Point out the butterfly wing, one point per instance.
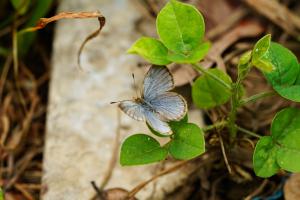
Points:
(157, 81)
(170, 106)
(156, 123)
(134, 109)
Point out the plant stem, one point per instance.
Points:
(214, 126)
(248, 132)
(204, 71)
(256, 97)
(232, 115)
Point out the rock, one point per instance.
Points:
(81, 122)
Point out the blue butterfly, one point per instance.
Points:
(156, 105)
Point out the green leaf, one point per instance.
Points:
(188, 142)
(180, 27)
(282, 148)
(151, 50)
(285, 77)
(39, 10)
(172, 124)
(258, 54)
(261, 47)
(141, 149)
(21, 6)
(195, 56)
(208, 93)
(290, 152)
(1, 194)
(264, 157)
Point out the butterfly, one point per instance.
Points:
(156, 105)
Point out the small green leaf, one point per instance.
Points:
(151, 50)
(208, 93)
(284, 78)
(1, 194)
(188, 142)
(21, 6)
(180, 27)
(244, 64)
(264, 65)
(264, 158)
(141, 149)
(282, 148)
(193, 57)
(261, 47)
(258, 54)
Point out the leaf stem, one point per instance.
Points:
(214, 126)
(256, 97)
(204, 71)
(247, 131)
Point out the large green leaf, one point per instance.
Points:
(208, 93)
(188, 141)
(141, 149)
(285, 77)
(195, 56)
(282, 148)
(180, 27)
(151, 50)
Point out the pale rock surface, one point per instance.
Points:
(81, 123)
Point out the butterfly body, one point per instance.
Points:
(156, 105)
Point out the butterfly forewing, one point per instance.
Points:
(134, 109)
(170, 106)
(157, 81)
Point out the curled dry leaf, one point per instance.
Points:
(71, 15)
(291, 188)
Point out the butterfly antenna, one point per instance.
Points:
(135, 85)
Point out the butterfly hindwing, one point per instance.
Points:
(158, 80)
(156, 123)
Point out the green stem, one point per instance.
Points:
(232, 115)
(204, 71)
(248, 132)
(256, 97)
(214, 126)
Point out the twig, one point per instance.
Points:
(224, 154)
(135, 190)
(228, 23)
(278, 14)
(258, 190)
(4, 73)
